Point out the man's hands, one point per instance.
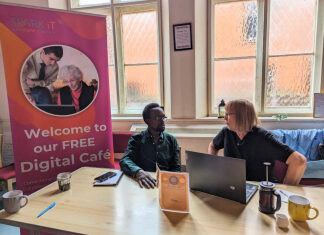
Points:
(31, 99)
(145, 179)
(30, 82)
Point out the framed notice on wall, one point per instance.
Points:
(182, 37)
(318, 105)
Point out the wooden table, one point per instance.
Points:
(128, 209)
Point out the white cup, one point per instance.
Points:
(12, 201)
(282, 220)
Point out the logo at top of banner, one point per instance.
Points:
(59, 80)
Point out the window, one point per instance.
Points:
(140, 53)
(268, 52)
(85, 3)
(133, 52)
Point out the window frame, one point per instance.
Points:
(115, 10)
(262, 57)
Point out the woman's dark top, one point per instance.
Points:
(86, 97)
(257, 146)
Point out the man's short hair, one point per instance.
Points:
(56, 50)
(147, 110)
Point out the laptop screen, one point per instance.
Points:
(220, 176)
(57, 109)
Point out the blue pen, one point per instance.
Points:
(50, 207)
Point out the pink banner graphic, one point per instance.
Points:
(56, 73)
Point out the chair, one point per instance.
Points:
(120, 142)
(8, 176)
(279, 171)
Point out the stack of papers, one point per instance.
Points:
(284, 194)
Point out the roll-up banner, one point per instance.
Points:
(56, 71)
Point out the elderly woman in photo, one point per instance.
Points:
(243, 138)
(76, 92)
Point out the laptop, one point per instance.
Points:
(64, 109)
(220, 176)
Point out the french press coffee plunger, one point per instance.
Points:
(266, 195)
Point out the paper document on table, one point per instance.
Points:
(173, 191)
(284, 194)
(110, 181)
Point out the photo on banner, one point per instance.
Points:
(56, 71)
(72, 67)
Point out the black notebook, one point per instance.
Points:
(110, 181)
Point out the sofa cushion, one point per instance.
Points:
(314, 170)
(7, 172)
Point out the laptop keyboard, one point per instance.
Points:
(250, 190)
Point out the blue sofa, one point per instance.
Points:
(304, 141)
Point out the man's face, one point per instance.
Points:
(156, 121)
(49, 59)
(72, 82)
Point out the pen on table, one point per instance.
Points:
(50, 207)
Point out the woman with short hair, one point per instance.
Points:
(76, 91)
(243, 138)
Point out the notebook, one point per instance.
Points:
(220, 176)
(57, 109)
(110, 181)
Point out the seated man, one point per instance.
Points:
(151, 147)
(76, 92)
(243, 138)
(39, 72)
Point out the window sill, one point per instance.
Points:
(186, 131)
(208, 127)
(215, 120)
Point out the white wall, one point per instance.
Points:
(182, 63)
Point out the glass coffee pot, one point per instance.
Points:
(267, 193)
